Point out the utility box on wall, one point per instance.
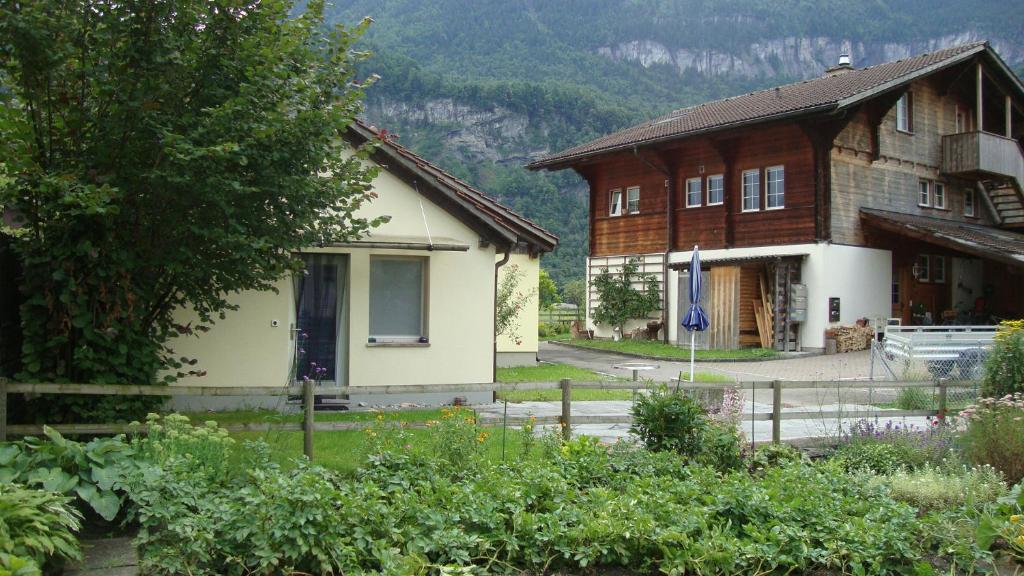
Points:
(798, 303)
(833, 309)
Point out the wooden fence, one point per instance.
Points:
(566, 420)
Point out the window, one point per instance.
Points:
(921, 268)
(615, 203)
(924, 193)
(693, 192)
(895, 289)
(775, 187)
(938, 270)
(751, 190)
(397, 303)
(633, 200)
(716, 189)
(939, 195)
(905, 113)
(968, 202)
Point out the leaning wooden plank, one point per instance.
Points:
(759, 319)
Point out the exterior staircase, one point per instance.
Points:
(997, 163)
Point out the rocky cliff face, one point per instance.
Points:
(791, 57)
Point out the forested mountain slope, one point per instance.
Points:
(482, 86)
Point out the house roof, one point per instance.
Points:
(493, 220)
(830, 93)
(979, 240)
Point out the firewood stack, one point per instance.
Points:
(853, 338)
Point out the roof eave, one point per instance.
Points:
(568, 162)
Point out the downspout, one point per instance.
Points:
(669, 240)
(494, 356)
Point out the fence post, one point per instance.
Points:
(942, 400)
(3, 409)
(566, 419)
(307, 417)
(776, 411)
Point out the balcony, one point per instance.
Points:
(982, 154)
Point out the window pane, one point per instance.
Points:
(940, 195)
(902, 116)
(693, 192)
(633, 200)
(615, 205)
(751, 190)
(968, 202)
(715, 189)
(924, 194)
(776, 193)
(938, 268)
(396, 297)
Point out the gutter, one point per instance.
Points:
(494, 318)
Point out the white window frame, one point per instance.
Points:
(767, 188)
(756, 173)
(721, 189)
(939, 195)
(633, 202)
(699, 191)
(934, 270)
(905, 113)
(424, 302)
(926, 267)
(969, 206)
(924, 194)
(615, 202)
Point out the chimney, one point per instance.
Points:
(843, 66)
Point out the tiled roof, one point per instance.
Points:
(491, 211)
(829, 92)
(984, 241)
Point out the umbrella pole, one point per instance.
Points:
(691, 355)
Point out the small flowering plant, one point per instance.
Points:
(993, 434)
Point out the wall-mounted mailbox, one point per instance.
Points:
(833, 309)
(798, 303)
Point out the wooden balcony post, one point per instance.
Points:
(980, 108)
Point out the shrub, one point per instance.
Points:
(875, 457)
(932, 488)
(668, 420)
(551, 329)
(36, 527)
(1004, 369)
(772, 456)
(908, 446)
(915, 399)
(994, 434)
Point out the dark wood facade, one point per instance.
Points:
(716, 226)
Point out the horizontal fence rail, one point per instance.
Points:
(309, 390)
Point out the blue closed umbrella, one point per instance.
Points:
(695, 320)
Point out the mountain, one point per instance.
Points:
(483, 86)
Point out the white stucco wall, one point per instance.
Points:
(245, 350)
(860, 277)
(529, 314)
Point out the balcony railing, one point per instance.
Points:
(982, 153)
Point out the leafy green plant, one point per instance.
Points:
(771, 456)
(915, 399)
(993, 434)
(665, 419)
(876, 457)
(1004, 367)
(620, 301)
(36, 527)
(94, 471)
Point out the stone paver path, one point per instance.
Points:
(107, 557)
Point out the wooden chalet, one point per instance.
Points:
(892, 191)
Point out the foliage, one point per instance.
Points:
(36, 526)
(509, 301)
(1004, 367)
(165, 155)
(993, 434)
(1006, 522)
(668, 420)
(547, 290)
(620, 300)
(772, 456)
(915, 399)
(551, 329)
(575, 292)
(945, 487)
(894, 446)
(584, 508)
(875, 457)
(93, 471)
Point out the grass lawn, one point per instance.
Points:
(662, 350)
(555, 372)
(343, 450)
(250, 416)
